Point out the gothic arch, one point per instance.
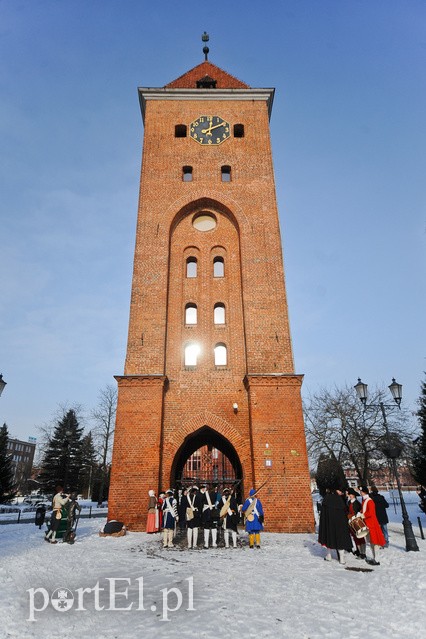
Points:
(208, 426)
(202, 437)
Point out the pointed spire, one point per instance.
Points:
(205, 38)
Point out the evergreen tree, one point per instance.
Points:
(419, 457)
(330, 474)
(63, 457)
(6, 469)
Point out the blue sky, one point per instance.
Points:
(349, 142)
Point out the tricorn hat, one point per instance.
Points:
(352, 491)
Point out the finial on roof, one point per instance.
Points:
(205, 38)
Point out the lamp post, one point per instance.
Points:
(90, 467)
(67, 444)
(2, 384)
(392, 449)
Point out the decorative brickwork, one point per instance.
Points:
(249, 406)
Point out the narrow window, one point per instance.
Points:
(191, 354)
(190, 314)
(180, 131)
(238, 130)
(191, 267)
(187, 173)
(218, 267)
(219, 314)
(226, 173)
(220, 358)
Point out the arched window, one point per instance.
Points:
(238, 130)
(180, 131)
(191, 267)
(187, 173)
(218, 267)
(191, 354)
(226, 173)
(219, 314)
(220, 355)
(191, 314)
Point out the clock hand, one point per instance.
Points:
(208, 131)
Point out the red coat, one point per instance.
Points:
(369, 512)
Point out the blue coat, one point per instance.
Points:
(255, 525)
(169, 518)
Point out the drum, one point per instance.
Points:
(358, 527)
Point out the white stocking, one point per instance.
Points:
(206, 537)
(214, 537)
(189, 534)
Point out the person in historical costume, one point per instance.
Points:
(161, 498)
(210, 515)
(183, 505)
(354, 508)
(374, 530)
(382, 517)
(229, 516)
(152, 522)
(333, 530)
(254, 516)
(193, 516)
(170, 518)
(58, 503)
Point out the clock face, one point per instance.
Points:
(209, 130)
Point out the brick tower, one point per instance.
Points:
(209, 356)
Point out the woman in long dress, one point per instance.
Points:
(152, 520)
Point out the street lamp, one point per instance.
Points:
(90, 467)
(2, 384)
(67, 444)
(392, 449)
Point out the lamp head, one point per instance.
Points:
(361, 391)
(396, 390)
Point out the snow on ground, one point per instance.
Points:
(285, 589)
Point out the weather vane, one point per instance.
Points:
(205, 38)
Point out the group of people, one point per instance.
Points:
(64, 506)
(206, 508)
(346, 523)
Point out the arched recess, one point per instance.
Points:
(204, 204)
(204, 436)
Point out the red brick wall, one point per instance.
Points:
(155, 416)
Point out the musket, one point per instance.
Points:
(250, 508)
(260, 487)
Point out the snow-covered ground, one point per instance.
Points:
(285, 589)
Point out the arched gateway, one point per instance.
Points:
(209, 389)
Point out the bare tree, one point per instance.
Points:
(104, 418)
(336, 424)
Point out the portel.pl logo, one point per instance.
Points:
(118, 594)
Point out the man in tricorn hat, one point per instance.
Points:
(170, 517)
(229, 515)
(193, 516)
(253, 511)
